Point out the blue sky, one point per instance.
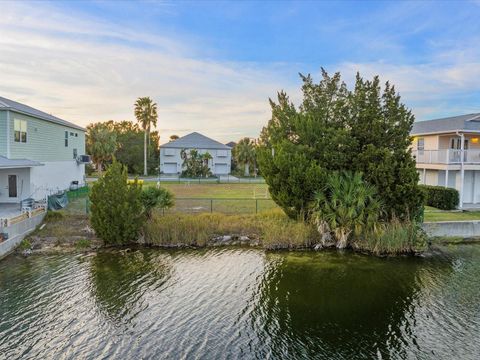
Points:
(211, 66)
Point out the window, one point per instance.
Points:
(75, 153)
(20, 130)
(66, 138)
(420, 144)
(76, 134)
(71, 134)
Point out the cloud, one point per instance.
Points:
(66, 67)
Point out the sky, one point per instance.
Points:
(212, 66)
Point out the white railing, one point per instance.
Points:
(446, 156)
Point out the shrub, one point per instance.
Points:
(116, 209)
(347, 206)
(156, 197)
(440, 197)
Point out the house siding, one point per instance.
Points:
(3, 133)
(176, 158)
(45, 140)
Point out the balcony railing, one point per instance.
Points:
(446, 156)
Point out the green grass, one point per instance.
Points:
(433, 214)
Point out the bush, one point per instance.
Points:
(440, 197)
(154, 197)
(116, 208)
(347, 206)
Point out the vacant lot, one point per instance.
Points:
(192, 190)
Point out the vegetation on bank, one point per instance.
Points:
(440, 197)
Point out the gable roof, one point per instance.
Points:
(195, 141)
(7, 104)
(469, 122)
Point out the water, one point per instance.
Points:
(240, 303)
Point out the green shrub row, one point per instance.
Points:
(440, 197)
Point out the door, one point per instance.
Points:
(12, 186)
(456, 146)
(170, 168)
(221, 169)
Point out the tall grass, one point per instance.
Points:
(273, 229)
(394, 238)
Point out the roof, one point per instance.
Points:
(7, 104)
(6, 163)
(195, 141)
(469, 122)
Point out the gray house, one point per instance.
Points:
(447, 152)
(40, 154)
(171, 160)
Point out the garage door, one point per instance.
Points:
(170, 168)
(221, 169)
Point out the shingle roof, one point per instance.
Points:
(7, 104)
(462, 123)
(6, 163)
(195, 141)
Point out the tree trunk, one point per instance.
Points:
(145, 154)
(99, 168)
(247, 169)
(342, 237)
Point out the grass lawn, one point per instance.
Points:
(222, 198)
(433, 214)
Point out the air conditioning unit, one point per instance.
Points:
(84, 159)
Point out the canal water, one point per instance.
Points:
(240, 304)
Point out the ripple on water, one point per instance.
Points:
(240, 303)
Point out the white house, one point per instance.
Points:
(171, 160)
(40, 154)
(447, 153)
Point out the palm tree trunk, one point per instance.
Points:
(247, 169)
(145, 154)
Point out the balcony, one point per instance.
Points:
(447, 156)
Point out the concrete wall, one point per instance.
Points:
(17, 232)
(176, 158)
(54, 176)
(463, 229)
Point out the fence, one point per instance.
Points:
(79, 204)
(221, 205)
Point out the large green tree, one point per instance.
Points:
(101, 143)
(334, 129)
(146, 114)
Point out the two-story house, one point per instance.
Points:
(170, 154)
(447, 153)
(40, 154)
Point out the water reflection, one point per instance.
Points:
(120, 280)
(337, 305)
(240, 304)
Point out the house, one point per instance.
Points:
(171, 160)
(40, 154)
(447, 153)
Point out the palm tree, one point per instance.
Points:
(245, 153)
(101, 143)
(347, 205)
(146, 114)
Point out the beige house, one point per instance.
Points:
(447, 152)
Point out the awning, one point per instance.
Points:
(6, 163)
